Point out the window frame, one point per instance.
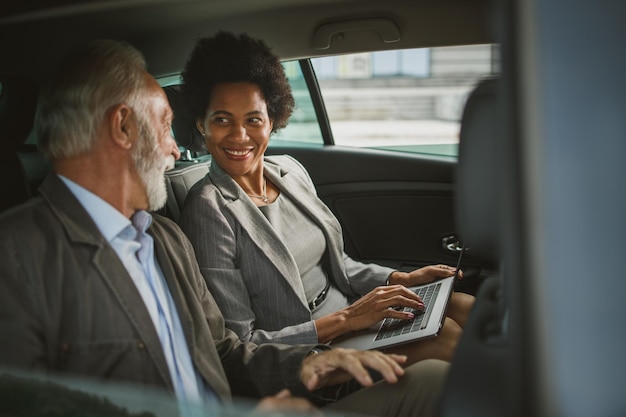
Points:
(317, 99)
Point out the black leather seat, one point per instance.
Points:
(477, 383)
(477, 180)
(22, 166)
(195, 161)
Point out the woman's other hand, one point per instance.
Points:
(422, 275)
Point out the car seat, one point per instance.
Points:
(22, 166)
(195, 161)
(478, 381)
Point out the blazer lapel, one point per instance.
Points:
(292, 186)
(114, 273)
(259, 229)
(301, 194)
(204, 355)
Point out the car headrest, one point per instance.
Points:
(18, 101)
(184, 126)
(478, 207)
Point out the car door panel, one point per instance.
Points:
(394, 208)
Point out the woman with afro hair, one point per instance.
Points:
(269, 249)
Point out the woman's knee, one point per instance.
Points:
(460, 306)
(449, 337)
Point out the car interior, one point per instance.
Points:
(531, 187)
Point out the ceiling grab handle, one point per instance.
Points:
(324, 34)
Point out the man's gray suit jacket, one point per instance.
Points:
(67, 305)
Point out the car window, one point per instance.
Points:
(169, 80)
(404, 100)
(303, 126)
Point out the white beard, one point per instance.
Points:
(151, 165)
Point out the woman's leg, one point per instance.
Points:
(444, 345)
(459, 307)
(439, 347)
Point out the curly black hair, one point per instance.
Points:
(225, 58)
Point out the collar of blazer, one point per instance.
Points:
(294, 182)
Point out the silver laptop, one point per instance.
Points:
(427, 323)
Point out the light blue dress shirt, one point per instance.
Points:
(123, 238)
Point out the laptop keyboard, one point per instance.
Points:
(394, 327)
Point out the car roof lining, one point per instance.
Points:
(166, 30)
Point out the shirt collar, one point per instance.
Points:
(107, 218)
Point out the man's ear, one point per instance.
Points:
(122, 125)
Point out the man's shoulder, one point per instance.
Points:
(166, 228)
(24, 215)
(174, 241)
(164, 223)
(27, 227)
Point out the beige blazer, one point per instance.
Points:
(249, 270)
